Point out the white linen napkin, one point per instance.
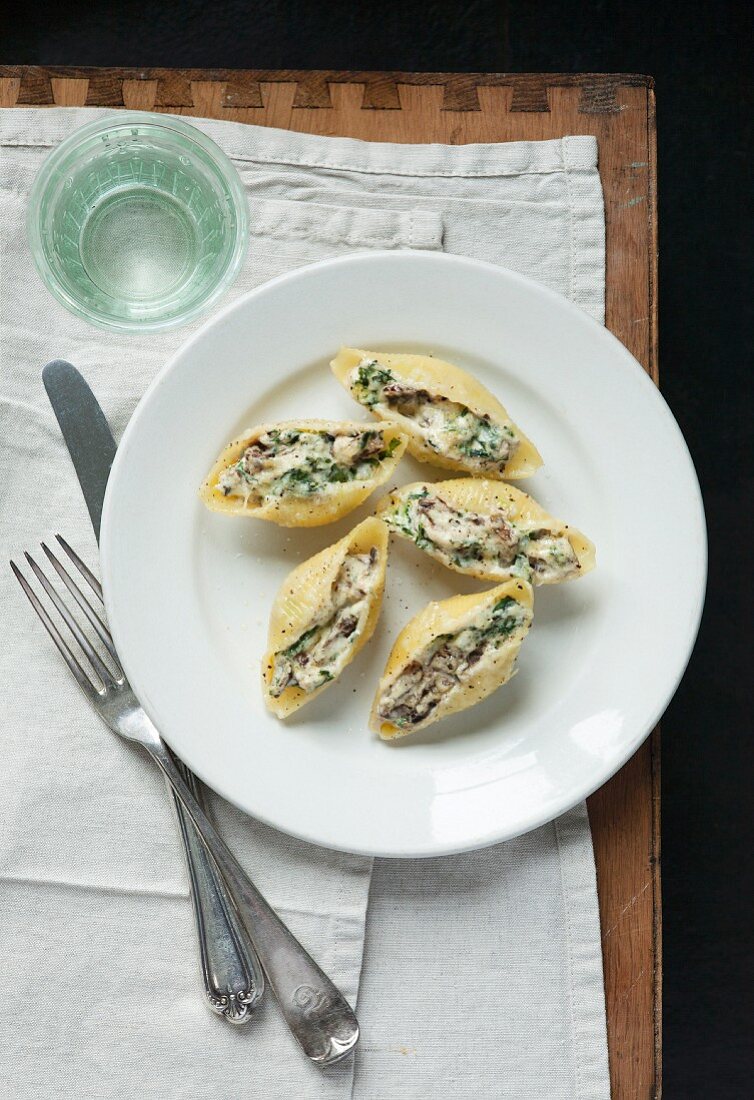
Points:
(483, 972)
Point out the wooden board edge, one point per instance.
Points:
(529, 100)
(656, 738)
(598, 91)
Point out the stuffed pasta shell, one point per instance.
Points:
(303, 473)
(450, 656)
(487, 530)
(324, 613)
(451, 419)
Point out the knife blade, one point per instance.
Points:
(232, 974)
(85, 430)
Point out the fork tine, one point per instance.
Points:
(91, 654)
(82, 567)
(96, 622)
(81, 677)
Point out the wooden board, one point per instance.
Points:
(457, 108)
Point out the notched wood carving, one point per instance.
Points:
(36, 89)
(598, 92)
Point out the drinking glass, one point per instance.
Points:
(137, 222)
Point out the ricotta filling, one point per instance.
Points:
(449, 662)
(321, 652)
(485, 542)
(303, 463)
(451, 429)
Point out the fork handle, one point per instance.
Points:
(316, 1012)
(232, 977)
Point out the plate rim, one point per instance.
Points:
(534, 819)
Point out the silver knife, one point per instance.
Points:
(233, 979)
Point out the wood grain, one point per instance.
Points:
(458, 108)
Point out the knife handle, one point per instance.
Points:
(231, 972)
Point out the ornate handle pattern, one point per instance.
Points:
(317, 1013)
(231, 972)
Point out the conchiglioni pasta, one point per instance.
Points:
(324, 613)
(303, 473)
(450, 656)
(451, 419)
(488, 530)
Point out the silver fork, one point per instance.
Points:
(314, 1009)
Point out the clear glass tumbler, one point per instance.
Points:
(137, 222)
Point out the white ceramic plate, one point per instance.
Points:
(189, 591)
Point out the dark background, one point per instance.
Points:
(700, 56)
